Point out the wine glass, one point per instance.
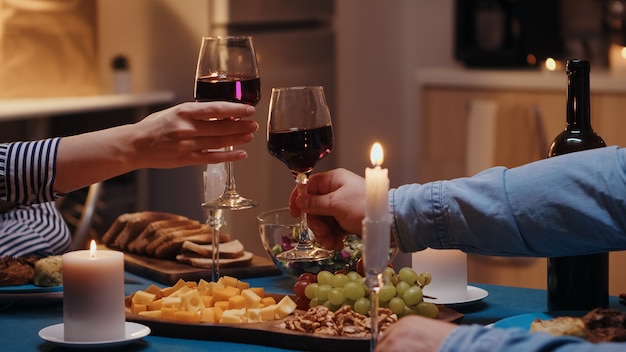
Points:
(227, 70)
(299, 133)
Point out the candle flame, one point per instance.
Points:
(92, 249)
(376, 155)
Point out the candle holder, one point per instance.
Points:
(375, 260)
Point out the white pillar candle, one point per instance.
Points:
(93, 295)
(376, 225)
(448, 268)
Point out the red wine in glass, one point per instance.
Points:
(231, 88)
(300, 150)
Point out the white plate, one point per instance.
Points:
(474, 294)
(30, 293)
(54, 334)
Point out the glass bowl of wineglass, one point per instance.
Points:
(227, 70)
(299, 134)
(279, 232)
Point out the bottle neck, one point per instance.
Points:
(578, 104)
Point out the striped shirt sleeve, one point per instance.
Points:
(27, 173)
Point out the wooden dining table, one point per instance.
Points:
(21, 318)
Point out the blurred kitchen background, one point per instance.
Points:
(424, 78)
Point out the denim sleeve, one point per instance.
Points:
(474, 338)
(567, 205)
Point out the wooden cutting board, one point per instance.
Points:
(266, 333)
(169, 271)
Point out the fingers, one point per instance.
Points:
(205, 111)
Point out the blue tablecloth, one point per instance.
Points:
(21, 322)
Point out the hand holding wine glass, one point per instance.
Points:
(299, 133)
(227, 70)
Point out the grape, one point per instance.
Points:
(408, 275)
(307, 277)
(330, 306)
(353, 290)
(299, 287)
(354, 276)
(315, 302)
(325, 277)
(336, 296)
(311, 290)
(427, 309)
(390, 274)
(413, 295)
(387, 292)
(397, 305)
(322, 292)
(425, 278)
(362, 306)
(401, 287)
(340, 280)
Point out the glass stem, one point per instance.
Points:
(374, 304)
(230, 189)
(304, 241)
(216, 221)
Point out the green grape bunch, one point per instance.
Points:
(401, 292)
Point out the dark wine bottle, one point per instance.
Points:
(577, 282)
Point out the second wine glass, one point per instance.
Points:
(227, 70)
(299, 133)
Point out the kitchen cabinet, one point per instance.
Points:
(529, 113)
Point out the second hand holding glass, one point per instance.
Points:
(227, 70)
(299, 133)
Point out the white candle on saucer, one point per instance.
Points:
(448, 268)
(93, 295)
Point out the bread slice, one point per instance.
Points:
(169, 249)
(560, 326)
(244, 260)
(151, 232)
(227, 250)
(128, 226)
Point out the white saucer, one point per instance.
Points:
(474, 294)
(54, 334)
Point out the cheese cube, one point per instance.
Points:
(154, 289)
(167, 313)
(252, 299)
(260, 291)
(236, 302)
(285, 307)
(157, 304)
(268, 313)
(151, 313)
(207, 315)
(208, 301)
(242, 285)
(168, 290)
(136, 308)
(233, 316)
(143, 297)
(181, 291)
(222, 304)
(218, 311)
(253, 315)
(191, 301)
(188, 317)
(267, 301)
(225, 293)
(228, 281)
(172, 302)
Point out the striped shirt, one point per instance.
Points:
(33, 225)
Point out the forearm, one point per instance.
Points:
(478, 339)
(93, 157)
(560, 206)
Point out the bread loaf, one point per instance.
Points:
(128, 226)
(49, 271)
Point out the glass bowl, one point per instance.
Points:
(279, 232)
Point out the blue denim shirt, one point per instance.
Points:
(567, 205)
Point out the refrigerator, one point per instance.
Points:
(295, 45)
